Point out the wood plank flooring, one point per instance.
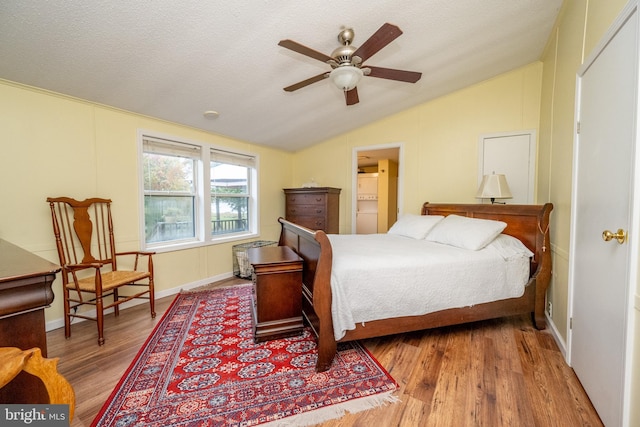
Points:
(493, 373)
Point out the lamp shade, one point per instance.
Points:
(346, 77)
(493, 187)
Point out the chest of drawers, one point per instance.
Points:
(317, 208)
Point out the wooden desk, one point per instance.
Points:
(277, 292)
(25, 290)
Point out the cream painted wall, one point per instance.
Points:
(439, 140)
(55, 145)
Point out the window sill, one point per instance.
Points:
(160, 248)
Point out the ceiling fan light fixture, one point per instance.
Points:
(346, 77)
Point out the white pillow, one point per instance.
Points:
(509, 247)
(414, 226)
(464, 232)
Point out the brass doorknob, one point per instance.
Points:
(620, 235)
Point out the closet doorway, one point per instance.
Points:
(376, 180)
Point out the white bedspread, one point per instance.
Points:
(380, 276)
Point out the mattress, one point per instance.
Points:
(380, 276)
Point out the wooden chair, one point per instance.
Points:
(13, 361)
(86, 247)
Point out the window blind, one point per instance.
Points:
(228, 157)
(159, 146)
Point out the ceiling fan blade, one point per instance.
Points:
(385, 35)
(297, 47)
(391, 74)
(306, 82)
(351, 96)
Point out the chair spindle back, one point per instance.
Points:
(83, 230)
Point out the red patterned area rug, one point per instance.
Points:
(201, 367)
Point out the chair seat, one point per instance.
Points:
(110, 280)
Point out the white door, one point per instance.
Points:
(514, 155)
(603, 172)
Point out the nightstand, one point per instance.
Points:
(277, 292)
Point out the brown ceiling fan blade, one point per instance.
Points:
(306, 82)
(385, 35)
(391, 74)
(351, 96)
(297, 47)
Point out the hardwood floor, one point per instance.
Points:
(494, 373)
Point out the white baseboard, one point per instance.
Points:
(59, 322)
(553, 329)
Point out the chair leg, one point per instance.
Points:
(67, 312)
(100, 318)
(152, 299)
(116, 308)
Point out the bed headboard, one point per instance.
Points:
(528, 223)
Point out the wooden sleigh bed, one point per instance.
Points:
(528, 223)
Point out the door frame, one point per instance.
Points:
(634, 221)
(354, 175)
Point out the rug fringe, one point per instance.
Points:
(204, 288)
(332, 412)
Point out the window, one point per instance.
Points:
(230, 196)
(194, 193)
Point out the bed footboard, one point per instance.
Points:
(315, 250)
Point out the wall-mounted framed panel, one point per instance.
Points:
(514, 155)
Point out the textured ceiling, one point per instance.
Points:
(176, 59)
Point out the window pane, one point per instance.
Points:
(229, 198)
(168, 173)
(227, 178)
(229, 215)
(168, 218)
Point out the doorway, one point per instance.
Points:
(385, 161)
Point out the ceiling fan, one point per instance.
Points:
(347, 62)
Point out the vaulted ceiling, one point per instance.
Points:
(174, 60)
